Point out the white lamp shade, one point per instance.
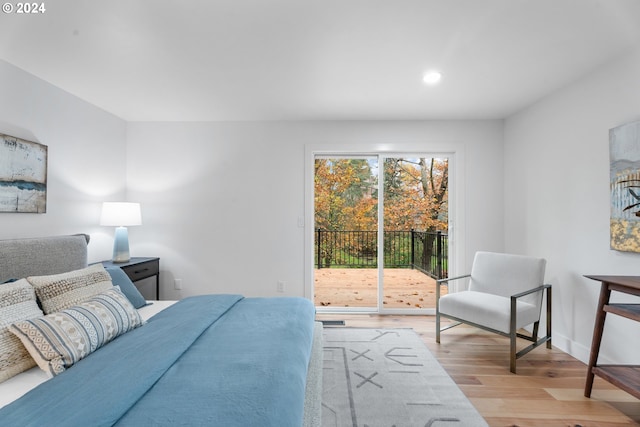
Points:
(119, 214)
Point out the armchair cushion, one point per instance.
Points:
(507, 274)
(488, 310)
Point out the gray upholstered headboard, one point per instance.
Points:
(40, 256)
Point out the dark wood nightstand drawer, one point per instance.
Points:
(142, 270)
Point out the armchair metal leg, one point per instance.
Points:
(512, 337)
(438, 327)
(549, 317)
(512, 353)
(534, 333)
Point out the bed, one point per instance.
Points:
(222, 360)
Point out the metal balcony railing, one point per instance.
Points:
(422, 250)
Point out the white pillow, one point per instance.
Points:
(58, 340)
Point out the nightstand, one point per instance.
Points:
(138, 268)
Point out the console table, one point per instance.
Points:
(626, 377)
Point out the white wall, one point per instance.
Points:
(86, 158)
(221, 201)
(557, 200)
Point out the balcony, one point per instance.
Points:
(346, 273)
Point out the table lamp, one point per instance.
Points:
(121, 215)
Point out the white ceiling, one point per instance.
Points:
(208, 60)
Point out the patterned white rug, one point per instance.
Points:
(385, 378)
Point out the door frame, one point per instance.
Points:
(453, 151)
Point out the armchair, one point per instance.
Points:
(505, 294)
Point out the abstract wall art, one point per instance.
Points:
(23, 175)
(624, 160)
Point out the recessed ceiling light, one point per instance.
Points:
(432, 77)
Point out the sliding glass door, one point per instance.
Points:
(380, 231)
(415, 211)
(346, 224)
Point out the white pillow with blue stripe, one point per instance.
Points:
(58, 340)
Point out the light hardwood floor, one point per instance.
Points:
(547, 390)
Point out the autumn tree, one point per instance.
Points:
(415, 192)
(416, 198)
(343, 195)
(344, 199)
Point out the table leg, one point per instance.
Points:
(605, 293)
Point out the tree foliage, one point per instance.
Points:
(415, 191)
(344, 195)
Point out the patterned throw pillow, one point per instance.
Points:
(17, 302)
(58, 340)
(59, 291)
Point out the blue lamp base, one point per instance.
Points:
(121, 245)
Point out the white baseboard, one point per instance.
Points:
(576, 350)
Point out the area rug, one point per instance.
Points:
(385, 378)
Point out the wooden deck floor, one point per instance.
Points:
(546, 392)
(358, 287)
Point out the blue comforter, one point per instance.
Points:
(215, 360)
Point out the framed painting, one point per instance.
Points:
(23, 175)
(624, 160)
